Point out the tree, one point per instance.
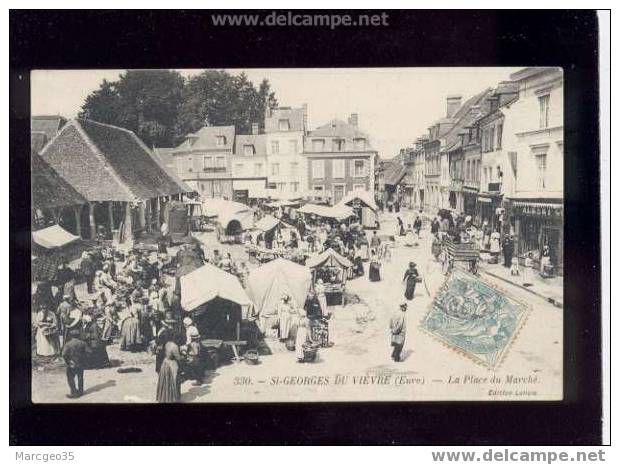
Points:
(102, 105)
(144, 101)
(218, 98)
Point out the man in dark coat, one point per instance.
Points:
(508, 248)
(74, 355)
(87, 267)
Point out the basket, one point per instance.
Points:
(251, 357)
(310, 351)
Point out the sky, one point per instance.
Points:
(395, 105)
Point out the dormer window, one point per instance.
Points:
(220, 141)
(338, 145)
(318, 145)
(360, 143)
(283, 125)
(248, 150)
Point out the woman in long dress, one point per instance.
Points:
(374, 273)
(97, 355)
(319, 288)
(285, 316)
(411, 276)
(131, 334)
(409, 238)
(301, 338)
(110, 316)
(169, 383)
(47, 337)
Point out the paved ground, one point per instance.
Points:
(358, 366)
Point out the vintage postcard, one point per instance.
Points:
(297, 235)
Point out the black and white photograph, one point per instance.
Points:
(256, 224)
(278, 235)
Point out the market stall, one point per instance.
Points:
(268, 283)
(332, 269)
(50, 247)
(217, 303)
(363, 206)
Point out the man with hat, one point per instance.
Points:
(194, 366)
(74, 355)
(398, 331)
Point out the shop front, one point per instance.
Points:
(470, 202)
(540, 230)
(489, 210)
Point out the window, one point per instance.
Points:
(543, 103)
(492, 139)
(292, 146)
(179, 164)
(207, 162)
(338, 192)
(283, 125)
(217, 189)
(220, 163)
(338, 166)
(358, 168)
(359, 187)
(295, 186)
(281, 186)
(239, 168)
(468, 172)
(318, 145)
(189, 164)
(248, 150)
(275, 147)
(500, 129)
(220, 141)
(359, 143)
(275, 169)
(541, 169)
(258, 169)
(337, 145)
(293, 167)
(318, 169)
(318, 192)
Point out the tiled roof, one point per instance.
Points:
(295, 117)
(394, 173)
(49, 189)
(104, 162)
(37, 141)
(47, 124)
(257, 140)
(464, 116)
(338, 128)
(206, 139)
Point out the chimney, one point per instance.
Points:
(453, 103)
(254, 128)
(475, 110)
(304, 108)
(354, 119)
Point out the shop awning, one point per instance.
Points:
(267, 223)
(208, 282)
(53, 237)
(329, 257)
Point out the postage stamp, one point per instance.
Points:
(475, 318)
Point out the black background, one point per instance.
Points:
(186, 39)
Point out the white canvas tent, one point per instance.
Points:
(267, 284)
(267, 223)
(362, 200)
(53, 237)
(208, 282)
(339, 212)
